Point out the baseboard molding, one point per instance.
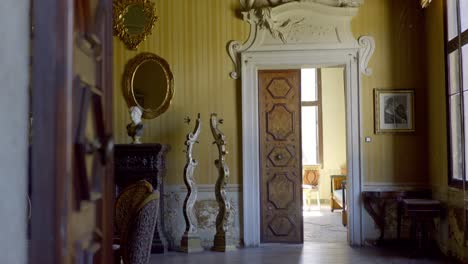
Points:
(395, 186)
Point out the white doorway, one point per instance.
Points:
(320, 36)
(324, 163)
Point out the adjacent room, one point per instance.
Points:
(324, 164)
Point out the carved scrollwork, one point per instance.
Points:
(190, 240)
(246, 4)
(366, 50)
(235, 48)
(294, 25)
(220, 240)
(335, 3)
(189, 180)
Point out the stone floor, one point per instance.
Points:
(310, 253)
(324, 242)
(321, 225)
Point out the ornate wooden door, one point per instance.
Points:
(280, 156)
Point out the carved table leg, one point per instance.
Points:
(377, 215)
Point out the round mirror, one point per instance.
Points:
(148, 83)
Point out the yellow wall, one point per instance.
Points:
(438, 163)
(334, 126)
(398, 62)
(192, 37)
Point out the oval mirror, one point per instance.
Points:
(148, 83)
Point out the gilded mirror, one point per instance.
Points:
(133, 20)
(148, 83)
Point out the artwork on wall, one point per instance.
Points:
(394, 111)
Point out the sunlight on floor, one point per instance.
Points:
(322, 225)
(312, 213)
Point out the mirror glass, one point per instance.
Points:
(135, 19)
(150, 85)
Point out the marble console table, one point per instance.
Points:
(375, 203)
(134, 162)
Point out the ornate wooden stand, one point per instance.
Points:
(190, 241)
(221, 242)
(134, 162)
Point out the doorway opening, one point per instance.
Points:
(303, 147)
(324, 161)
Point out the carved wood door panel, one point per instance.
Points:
(280, 156)
(90, 225)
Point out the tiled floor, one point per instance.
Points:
(309, 253)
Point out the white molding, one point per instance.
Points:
(395, 186)
(366, 50)
(302, 25)
(254, 61)
(300, 34)
(248, 4)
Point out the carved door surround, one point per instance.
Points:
(280, 156)
(294, 35)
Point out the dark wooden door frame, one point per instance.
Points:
(50, 156)
(51, 162)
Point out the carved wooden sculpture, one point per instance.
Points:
(190, 240)
(221, 242)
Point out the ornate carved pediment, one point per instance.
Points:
(279, 25)
(248, 4)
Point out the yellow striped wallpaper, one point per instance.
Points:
(438, 163)
(399, 62)
(192, 36)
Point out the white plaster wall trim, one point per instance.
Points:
(395, 186)
(292, 35)
(296, 25)
(366, 50)
(248, 4)
(235, 48)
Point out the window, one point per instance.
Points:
(456, 21)
(311, 117)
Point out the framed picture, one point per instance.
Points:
(394, 111)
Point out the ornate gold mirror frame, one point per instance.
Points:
(121, 8)
(129, 90)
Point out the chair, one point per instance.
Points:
(310, 184)
(136, 212)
